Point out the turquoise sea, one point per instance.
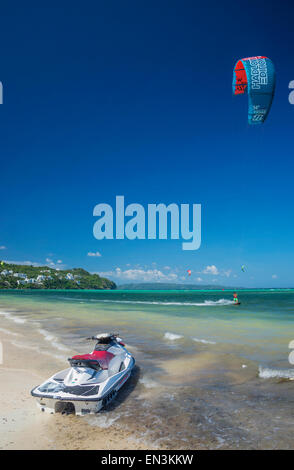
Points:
(209, 374)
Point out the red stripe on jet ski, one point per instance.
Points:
(103, 357)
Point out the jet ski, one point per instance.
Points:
(91, 382)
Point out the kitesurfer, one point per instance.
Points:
(235, 296)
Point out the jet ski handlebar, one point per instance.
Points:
(101, 338)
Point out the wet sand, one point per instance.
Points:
(23, 426)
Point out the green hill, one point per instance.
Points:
(14, 276)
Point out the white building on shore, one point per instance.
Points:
(21, 275)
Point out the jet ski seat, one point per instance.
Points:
(102, 357)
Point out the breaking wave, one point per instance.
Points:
(206, 303)
(8, 316)
(204, 341)
(7, 332)
(53, 340)
(172, 336)
(266, 373)
(39, 350)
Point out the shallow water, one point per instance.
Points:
(209, 374)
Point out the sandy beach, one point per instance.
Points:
(22, 425)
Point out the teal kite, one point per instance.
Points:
(255, 76)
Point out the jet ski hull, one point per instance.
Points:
(83, 390)
(78, 406)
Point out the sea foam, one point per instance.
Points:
(204, 341)
(147, 382)
(53, 340)
(7, 332)
(266, 373)
(206, 303)
(172, 336)
(15, 319)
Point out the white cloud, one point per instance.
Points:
(141, 275)
(2, 247)
(274, 276)
(227, 273)
(199, 279)
(211, 270)
(214, 271)
(97, 254)
(58, 264)
(167, 268)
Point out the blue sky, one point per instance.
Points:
(134, 98)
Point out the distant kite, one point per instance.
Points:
(189, 272)
(243, 268)
(255, 76)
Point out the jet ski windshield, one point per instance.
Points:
(88, 363)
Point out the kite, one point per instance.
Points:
(256, 77)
